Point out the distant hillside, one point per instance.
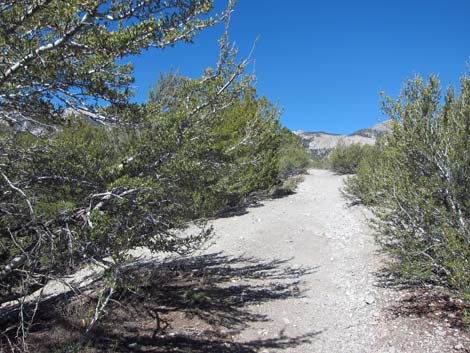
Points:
(321, 143)
(375, 131)
(20, 122)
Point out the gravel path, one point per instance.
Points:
(339, 303)
(302, 270)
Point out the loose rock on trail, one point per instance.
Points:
(299, 273)
(336, 304)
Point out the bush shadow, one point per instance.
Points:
(434, 306)
(424, 301)
(256, 200)
(196, 304)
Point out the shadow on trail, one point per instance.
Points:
(433, 306)
(255, 201)
(196, 304)
(424, 301)
(184, 344)
(239, 210)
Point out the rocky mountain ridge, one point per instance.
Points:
(320, 143)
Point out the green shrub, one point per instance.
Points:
(319, 163)
(293, 157)
(418, 184)
(89, 192)
(365, 185)
(345, 159)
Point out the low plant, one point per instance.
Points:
(417, 182)
(345, 159)
(364, 187)
(293, 157)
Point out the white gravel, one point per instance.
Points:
(341, 304)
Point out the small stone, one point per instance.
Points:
(459, 346)
(369, 299)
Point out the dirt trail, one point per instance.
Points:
(337, 303)
(297, 274)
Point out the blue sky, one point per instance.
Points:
(325, 62)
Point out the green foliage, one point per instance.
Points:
(238, 142)
(97, 192)
(68, 51)
(345, 159)
(95, 188)
(365, 186)
(198, 147)
(293, 156)
(418, 183)
(319, 163)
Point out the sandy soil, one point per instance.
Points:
(337, 305)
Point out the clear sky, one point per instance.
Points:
(325, 62)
